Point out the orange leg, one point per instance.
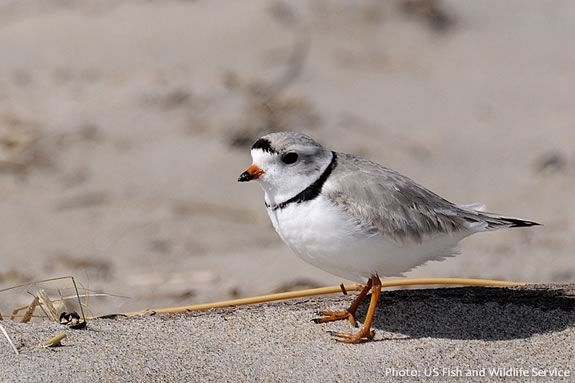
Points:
(349, 313)
(365, 332)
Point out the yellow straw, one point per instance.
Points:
(328, 290)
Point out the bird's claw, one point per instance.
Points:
(353, 338)
(332, 316)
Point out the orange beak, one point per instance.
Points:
(253, 173)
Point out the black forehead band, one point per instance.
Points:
(265, 145)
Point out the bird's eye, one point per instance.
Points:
(289, 158)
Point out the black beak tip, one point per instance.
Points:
(245, 177)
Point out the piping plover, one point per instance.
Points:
(357, 219)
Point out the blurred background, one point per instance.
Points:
(125, 124)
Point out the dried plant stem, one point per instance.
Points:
(328, 290)
(9, 340)
(30, 312)
(47, 306)
(16, 311)
(62, 299)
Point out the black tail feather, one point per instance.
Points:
(515, 222)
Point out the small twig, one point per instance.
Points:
(9, 340)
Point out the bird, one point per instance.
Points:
(357, 219)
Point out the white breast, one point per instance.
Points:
(324, 236)
(312, 228)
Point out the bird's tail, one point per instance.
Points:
(511, 222)
(482, 220)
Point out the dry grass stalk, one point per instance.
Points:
(60, 301)
(9, 340)
(30, 312)
(17, 311)
(47, 306)
(328, 290)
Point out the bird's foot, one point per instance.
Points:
(363, 335)
(333, 316)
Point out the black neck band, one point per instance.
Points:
(313, 190)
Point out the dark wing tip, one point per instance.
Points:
(514, 222)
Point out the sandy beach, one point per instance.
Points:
(125, 124)
(456, 334)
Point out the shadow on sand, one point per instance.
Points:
(481, 313)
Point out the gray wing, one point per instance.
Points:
(385, 202)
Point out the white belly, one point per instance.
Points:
(327, 238)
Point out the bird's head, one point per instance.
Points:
(285, 163)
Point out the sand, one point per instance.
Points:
(447, 334)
